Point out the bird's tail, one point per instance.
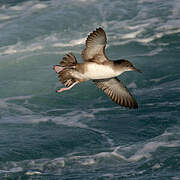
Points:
(68, 63)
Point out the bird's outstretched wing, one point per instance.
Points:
(95, 46)
(116, 90)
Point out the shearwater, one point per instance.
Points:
(98, 68)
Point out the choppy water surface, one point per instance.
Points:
(81, 134)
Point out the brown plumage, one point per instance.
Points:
(68, 61)
(116, 90)
(66, 78)
(92, 51)
(99, 68)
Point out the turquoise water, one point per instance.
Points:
(82, 134)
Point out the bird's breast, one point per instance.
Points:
(99, 71)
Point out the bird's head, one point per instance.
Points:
(125, 65)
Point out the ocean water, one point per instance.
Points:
(81, 133)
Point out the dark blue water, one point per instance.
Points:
(82, 134)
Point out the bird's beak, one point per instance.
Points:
(138, 70)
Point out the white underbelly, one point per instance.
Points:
(96, 71)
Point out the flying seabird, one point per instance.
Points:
(98, 68)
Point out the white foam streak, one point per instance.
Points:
(17, 8)
(150, 1)
(75, 42)
(145, 40)
(158, 36)
(132, 85)
(132, 34)
(8, 106)
(138, 26)
(137, 152)
(132, 37)
(145, 150)
(28, 6)
(159, 79)
(20, 48)
(39, 44)
(39, 6)
(84, 1)
(151, 147)
(5, 17)
(31, 173)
